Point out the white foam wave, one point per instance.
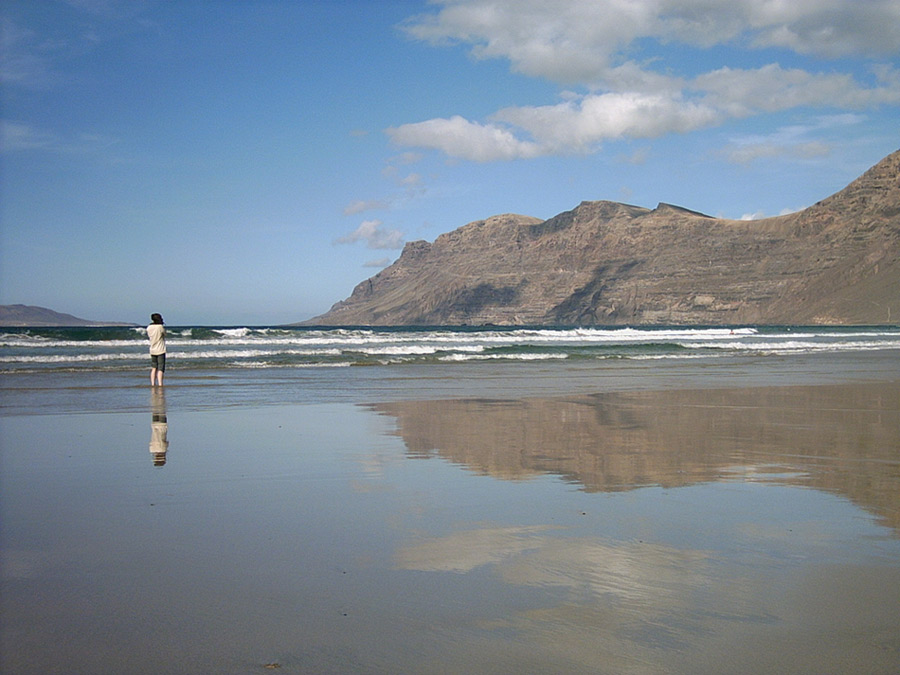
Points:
(347, 337)
(232, 332)
(251, 365)
(796, 346)
(503, 357)
(187, 355)
(49, 343)
(256, 348)
(26, 339)
(414, 350)
(69, 358)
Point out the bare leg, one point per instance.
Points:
(159, 377)
(152, 376)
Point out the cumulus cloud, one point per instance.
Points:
(374, 235)
(570, 127)
(771, 88)
(458, 137)
(577, 42)
(579, 125)
(566, 40)
(594, 44)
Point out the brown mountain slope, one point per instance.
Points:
(837, 262)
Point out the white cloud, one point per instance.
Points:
(577, 126)
(796, 141)
(360, 205)
(573, 126)
(772, 88)
(375, 236)
(594, 45)
(458, 137)
(565, 40)
(578, 41)
(831, 29)
(759, 215)
(750, 152)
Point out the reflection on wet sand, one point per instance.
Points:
(738, 572)
(312, 537)
(844, 439)
(159, 427)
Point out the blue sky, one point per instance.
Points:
(250, 162)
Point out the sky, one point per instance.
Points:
(249, 163)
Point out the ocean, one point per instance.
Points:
(55, 350)
(105, 368)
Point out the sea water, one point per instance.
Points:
(24, 350)
(105, 368)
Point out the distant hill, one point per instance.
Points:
(28, 315)
(605, 263)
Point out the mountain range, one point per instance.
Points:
(30, 315)
(608, 263)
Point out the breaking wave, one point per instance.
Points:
(248, 347)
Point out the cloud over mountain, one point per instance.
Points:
(607, 49)
(374, 235)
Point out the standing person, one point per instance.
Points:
(156, 331)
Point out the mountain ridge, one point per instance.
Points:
(608, 263)
(23, 316)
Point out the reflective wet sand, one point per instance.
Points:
(680, 531)
(841, 439)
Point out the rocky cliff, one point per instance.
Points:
(605, 263)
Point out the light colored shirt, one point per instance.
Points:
(157, 334)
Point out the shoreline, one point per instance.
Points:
(128, 391)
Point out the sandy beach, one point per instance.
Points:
(687, 524)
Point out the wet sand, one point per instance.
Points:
(727, 530)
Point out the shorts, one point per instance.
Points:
(158, 361)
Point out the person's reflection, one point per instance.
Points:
(159, 426)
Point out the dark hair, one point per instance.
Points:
(156, 318)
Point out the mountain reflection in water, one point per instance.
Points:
(843, 439)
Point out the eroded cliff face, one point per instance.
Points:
(605, 263)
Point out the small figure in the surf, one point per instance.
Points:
(156, 331)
